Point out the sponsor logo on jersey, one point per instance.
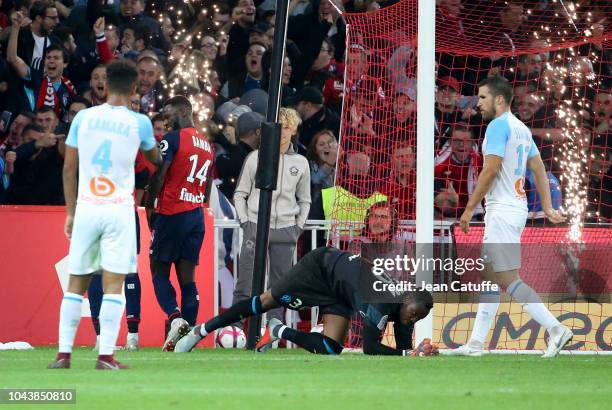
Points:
(189, 197)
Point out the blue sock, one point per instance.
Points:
(94, 294)
(190, 302)
(166, 295)
(132, 302)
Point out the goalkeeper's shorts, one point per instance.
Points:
(502, 240)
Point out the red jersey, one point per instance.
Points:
(401, 196)
(185, 183)
(463, 176)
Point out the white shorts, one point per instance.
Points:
(502, 239)
(103, 237)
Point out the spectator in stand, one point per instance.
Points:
(350, 201)
(446, 113)
(309, 29)
(221, 14)
(530, 109)
(602, 115)
(362, 115)
(401, 126)
(323, 69)
(166, 25)
(401, 185)
(112, 36)
(132, 11)
(77, 103)
(85, 57)
(449, 15)
(322, 156)
(241, 83)
(599, 191)
(135, 39)
(97, 86)
(160, 126)
(287, 91)
(458, 165)
(529, 67)
(49, 88)
(47, 119)
(33, 41)
(315, 116)
(14, 137)
(229, 164)
(243, 17)
(37, 179)
(259, 34)
(210, 47)
(150, 87)
(290, 206)
(445, 202)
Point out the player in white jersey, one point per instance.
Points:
(102, 145)
(508, 149)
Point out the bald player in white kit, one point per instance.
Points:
(508, 149)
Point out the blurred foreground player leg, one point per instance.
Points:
(333, 280)
(102, 146)
(177, 193)
(509, 149)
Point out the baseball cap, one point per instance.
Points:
(230, 111)
(309, 94)
(450, 82)
(256, 99)
(407, 88)
(248, 122)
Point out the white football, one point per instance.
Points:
(231, 337)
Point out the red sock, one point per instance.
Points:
(61, 356)
(106, 357)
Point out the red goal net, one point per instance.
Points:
(558, 57)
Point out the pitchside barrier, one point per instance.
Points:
(34, 250)
(589, 315)
(33, 268)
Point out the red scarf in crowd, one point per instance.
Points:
(48, 96)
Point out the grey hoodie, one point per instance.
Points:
(290, 200)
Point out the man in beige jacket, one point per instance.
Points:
(290, 206)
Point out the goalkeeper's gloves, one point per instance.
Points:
(425, 348)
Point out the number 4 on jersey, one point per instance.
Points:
(202, 172)
(102, 156)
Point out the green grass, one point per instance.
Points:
(293, 379)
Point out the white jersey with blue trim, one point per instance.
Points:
(509, 138)
(108, 138)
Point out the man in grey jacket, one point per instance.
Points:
(290, 206)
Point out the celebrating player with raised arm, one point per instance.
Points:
(177, 193)
(337, 282)
(508, 149)
(102, 145)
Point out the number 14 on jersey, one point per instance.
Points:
(201, 173)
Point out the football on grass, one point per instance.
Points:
(231, 337)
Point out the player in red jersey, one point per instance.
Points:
(177, 193)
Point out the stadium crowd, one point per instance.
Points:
(52, 65)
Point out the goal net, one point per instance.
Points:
(558, 57)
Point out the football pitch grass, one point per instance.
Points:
(294, 379)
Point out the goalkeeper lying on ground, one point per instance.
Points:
(337, 282)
